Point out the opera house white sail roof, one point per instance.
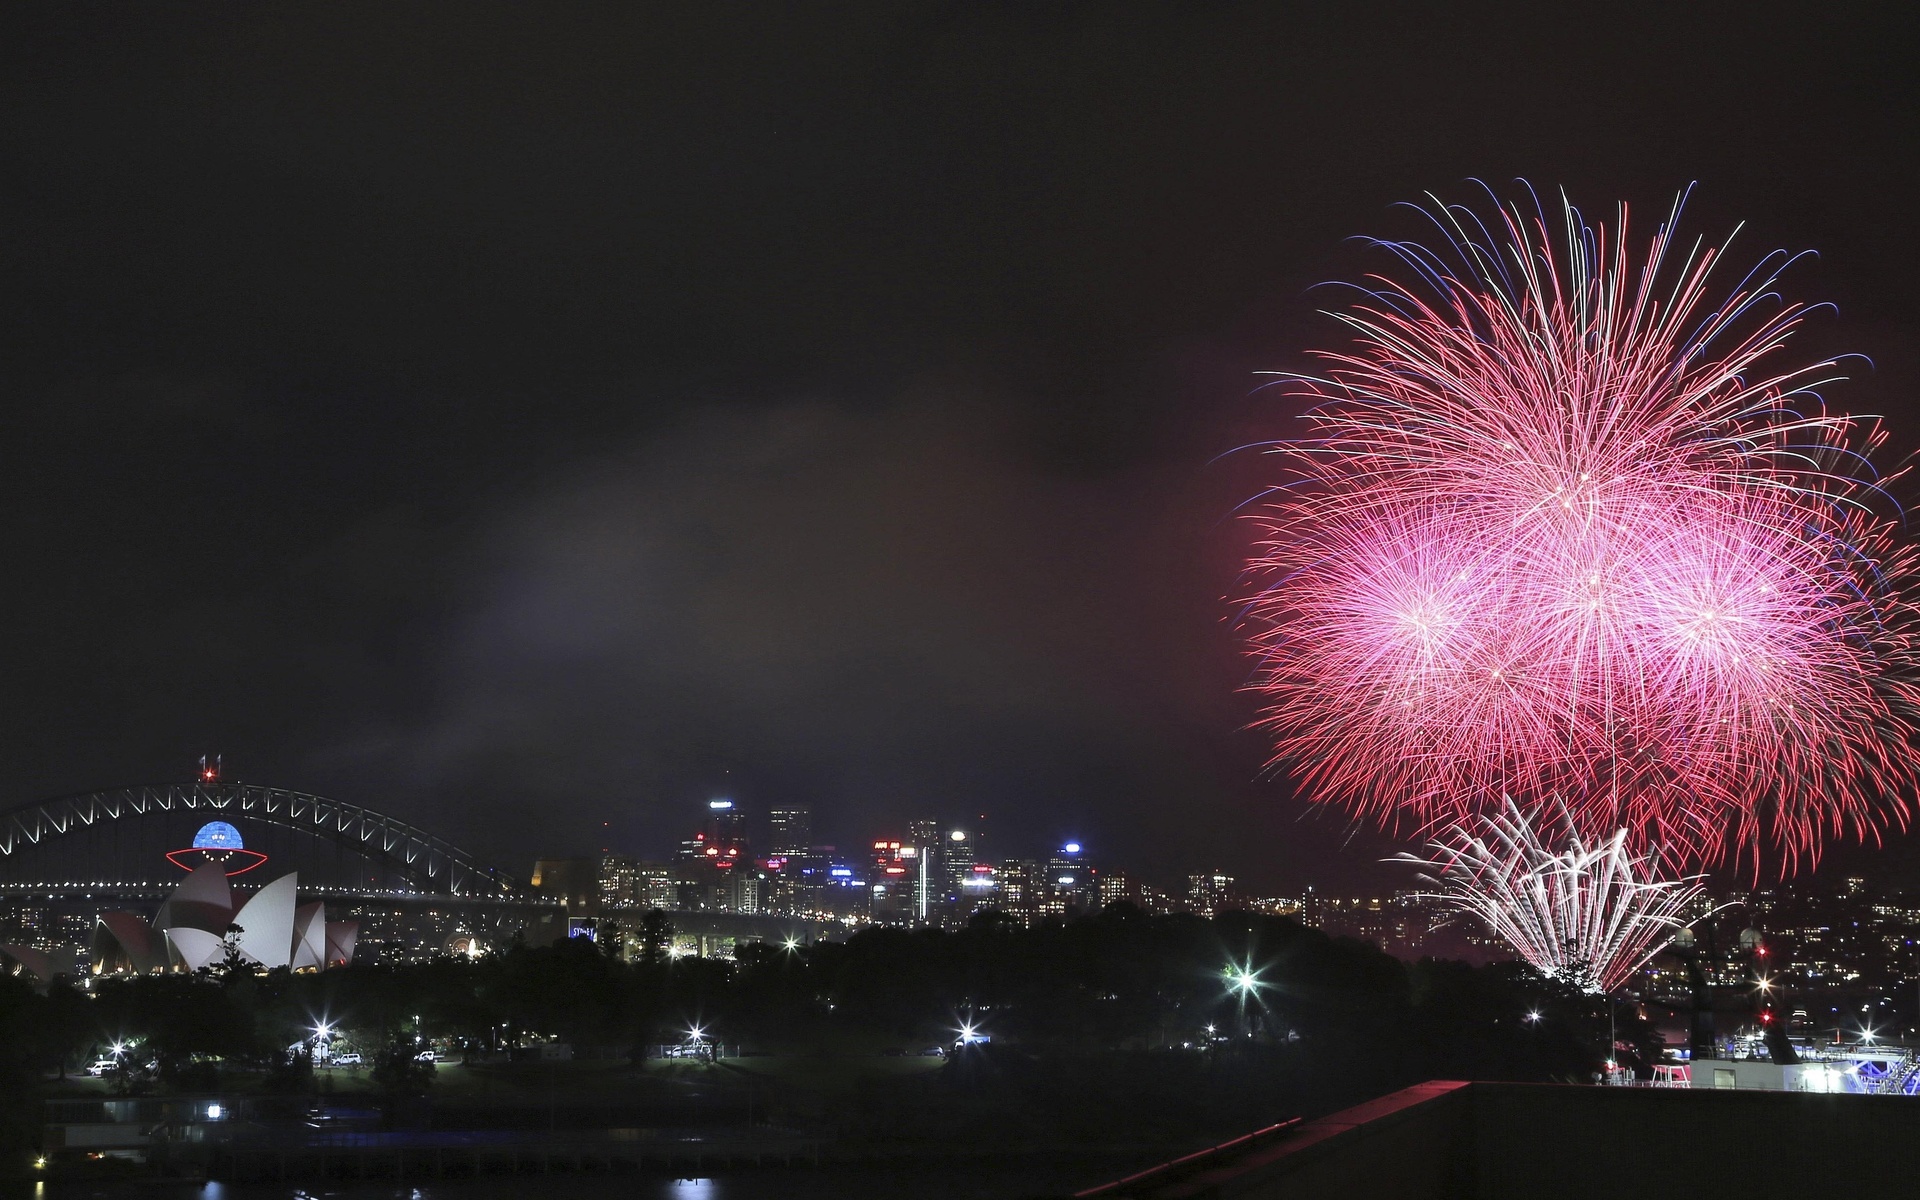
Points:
(199, 925)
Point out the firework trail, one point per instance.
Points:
(1590, 915)
(1560, 526)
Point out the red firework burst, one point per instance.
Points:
(1561, 527)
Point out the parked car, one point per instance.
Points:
(349, 1059)
(100, 1066)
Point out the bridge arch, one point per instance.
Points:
(427, 862)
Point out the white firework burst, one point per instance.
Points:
(1590, 915)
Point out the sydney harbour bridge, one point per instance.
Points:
(65, 860)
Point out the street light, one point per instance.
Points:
(1533, 1017)
(1242, 979)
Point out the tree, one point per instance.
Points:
(656, 936)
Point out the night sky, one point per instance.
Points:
(518, 418)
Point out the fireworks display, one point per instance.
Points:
(1590, 915)
(1563, 524)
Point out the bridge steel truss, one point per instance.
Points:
(427, 862)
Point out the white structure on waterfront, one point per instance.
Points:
(199, 926)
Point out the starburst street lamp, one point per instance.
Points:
(1244, 984)
(1242, 981)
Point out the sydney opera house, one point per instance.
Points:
(89, 883)
(202, 923)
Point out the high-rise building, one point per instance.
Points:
(726, 827)
(963, 850)
(979, 889)
(1115, 887)
(1208, 893)
(746, 891)
(630, 883)
(893, 888)
(1020, 882)
(929, 881)
(789, 831)
(1071, 883)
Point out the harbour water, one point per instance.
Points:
(971, 1178)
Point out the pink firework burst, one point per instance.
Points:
(1561, 526)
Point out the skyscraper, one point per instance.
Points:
(963, 849)
(929, 877)
(726, 827)
(790, 831)
(630, 883)
(1207, 893)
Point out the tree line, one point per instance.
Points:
(1119, 982)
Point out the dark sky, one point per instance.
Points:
(516, 418)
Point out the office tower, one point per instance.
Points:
(726, 827)
(630, 883)
(1207, 893)
(928, 877)
(789, 831)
